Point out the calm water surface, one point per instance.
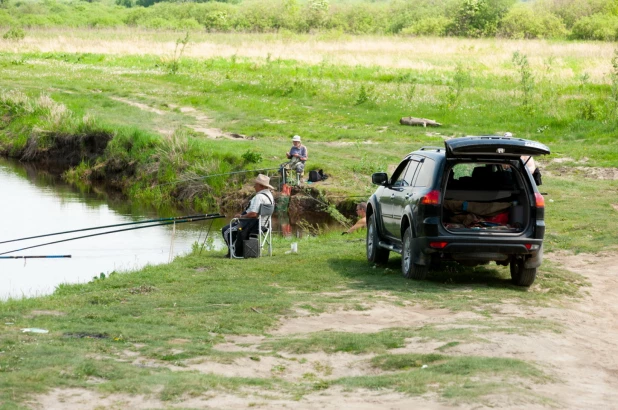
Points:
(35, 203)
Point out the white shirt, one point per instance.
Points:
(262, 197)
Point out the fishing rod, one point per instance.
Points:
(217, 175)
(35, 257)
(202, 218)
(109, 226)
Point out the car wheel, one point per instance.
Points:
(520, 275)
(410, 269)
(375, 254)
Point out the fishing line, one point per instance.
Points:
(202, 218)
(206, 237)
(215, 175)
(35, 257)
(110, 226)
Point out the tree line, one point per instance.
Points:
(546, 19)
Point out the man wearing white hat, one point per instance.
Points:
(297, 155)
(249, 218)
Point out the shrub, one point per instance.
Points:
(431, 26)
(478, 18)
(596, 27)
(14, 34)
(103, 21)
(570, 11)
(252, 157)
(125, 3)
(156, 23)
(524, 22)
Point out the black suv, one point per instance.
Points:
(473, 201)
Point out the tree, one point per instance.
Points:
(478, 18)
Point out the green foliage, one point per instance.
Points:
(588, 110)
(125, 3)
(174, 63)
(364, 95)
(430, 26)
(461, 79)
(525, 22)
(14, 34)
(252, 157)
(478, 18)
(526, 79)
(596, 27)
(613, 76)
(570, 11)
(590, 19)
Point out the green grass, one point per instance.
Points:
(464, 378)
(204, 298)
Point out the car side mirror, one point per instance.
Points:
(379, 178)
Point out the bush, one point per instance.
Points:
(14, 34)
(104, 21)
(125, 3)
(478, 18)
(596, 27)
(524, 22)
(570, 11)
(431, 26)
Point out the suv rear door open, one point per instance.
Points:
(494, 147)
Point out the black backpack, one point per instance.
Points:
(314, 176)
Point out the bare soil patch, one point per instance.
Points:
(374, 319)
(585, 172)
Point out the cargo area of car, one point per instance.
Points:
(485, 197)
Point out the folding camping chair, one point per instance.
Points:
(252, 246)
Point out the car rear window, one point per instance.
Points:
(481, 176)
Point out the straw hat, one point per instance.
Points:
(264, 181)
(296, 138)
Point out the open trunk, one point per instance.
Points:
(488, 197)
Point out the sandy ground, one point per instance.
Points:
(581, 357)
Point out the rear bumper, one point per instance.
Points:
(483, 250)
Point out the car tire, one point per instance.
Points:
(409, 269)
(520, 275)
(375, 254)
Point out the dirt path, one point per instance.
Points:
(584, 356)
(581, 356)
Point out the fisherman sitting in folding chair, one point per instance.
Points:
(297, 156)
(254, 220)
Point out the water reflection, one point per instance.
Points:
(34, 203)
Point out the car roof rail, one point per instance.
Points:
(431, 148)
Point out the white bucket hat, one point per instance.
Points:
(296, 138)
(264, 181)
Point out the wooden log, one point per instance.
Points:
(419, 121)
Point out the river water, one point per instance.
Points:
(35, 203)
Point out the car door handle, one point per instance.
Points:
(392, 196)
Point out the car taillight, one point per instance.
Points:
(540, 201)
(432, 198)
(438, 245)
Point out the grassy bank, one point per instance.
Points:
(141, 333)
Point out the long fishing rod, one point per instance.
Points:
(109, 226)
(35, 257)
(216, 175)
(203, 218)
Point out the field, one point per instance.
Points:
(321, 328)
